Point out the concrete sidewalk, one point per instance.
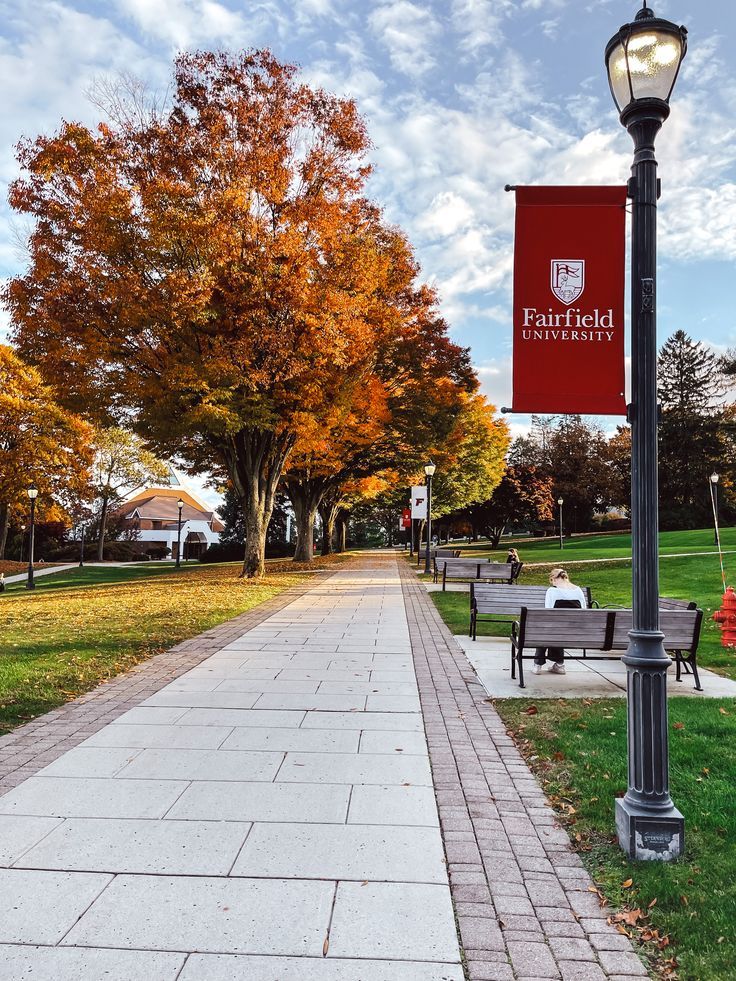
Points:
(268, 815)
(269, 811)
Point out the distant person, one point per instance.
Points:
(513, 557)
(561, 593)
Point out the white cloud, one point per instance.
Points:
(188, 23)
(409, 33)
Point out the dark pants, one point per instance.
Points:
(556, 654)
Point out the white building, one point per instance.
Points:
(154, 513)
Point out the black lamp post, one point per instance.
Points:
(714, 495)
(429, 471)
(81, 549)
(22, 541)
(180, 505)
(560, 501)
(643, 60)
(32, 495)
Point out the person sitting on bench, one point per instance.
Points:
(561, 593)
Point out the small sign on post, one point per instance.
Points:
(419, 503)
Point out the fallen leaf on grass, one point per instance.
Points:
(653, 903)
(723, 711)
(532, 710)
(628, 884)
(678, 725)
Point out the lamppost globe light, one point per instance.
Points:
(643, 59)
(430, 469)
(560, 500)
(32, 492)
(180, 504)
(714, 478)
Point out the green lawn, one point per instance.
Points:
(95, 575)
(578, 749)
(602, 546)
(85, 625)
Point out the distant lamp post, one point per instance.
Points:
(180, 505)
(643, 60)
(560, 501)
(32, 495)
(22, 541)
(429, 472)
(714, 495)
(81, 549)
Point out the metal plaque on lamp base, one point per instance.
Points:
(649, 838)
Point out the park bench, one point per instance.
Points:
(606, 631)
(443, 553)
(681, 629)
(474, 570)
(495, 602)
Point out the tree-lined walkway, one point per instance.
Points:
(271, 814)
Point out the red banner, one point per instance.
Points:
(406, 518)
(569, 260)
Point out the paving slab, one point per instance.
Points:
(294, 740)
(41, 907)
(332, 768)
(221, 915)
(235, 967)
(92, 797)
(399, 805)
(24, 963)
(156, 847)
(202, 764)
(18, 833)
(357, 852)
(298, 803)
(394, 920)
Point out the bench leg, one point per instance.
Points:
(521, 668)
(678, 666)
(513, 663)
(470, 628)
(691, 661)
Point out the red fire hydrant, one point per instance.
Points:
(726, 616)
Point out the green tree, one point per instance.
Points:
(696, 433)
(523, 496)
(122, 462)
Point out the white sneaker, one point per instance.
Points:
(537, 669)
(557, 669)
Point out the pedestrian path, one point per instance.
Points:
(267, 815)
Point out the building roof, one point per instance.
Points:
(161, 507)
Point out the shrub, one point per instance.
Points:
(223, 552)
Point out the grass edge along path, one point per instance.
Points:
(682, 914)
(57, 644)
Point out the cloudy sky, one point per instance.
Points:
(461, 97)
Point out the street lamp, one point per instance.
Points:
(714, 501)
(22, 541)
(180, 505)
(560, 502)
(81, 549)
(642, 61)
(32, 495)
(429, 471)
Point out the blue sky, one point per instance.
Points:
(461, 97)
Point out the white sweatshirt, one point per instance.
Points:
(570, 592)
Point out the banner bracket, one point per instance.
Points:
(510, 187)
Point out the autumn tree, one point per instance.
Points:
(122, 462)
(523, 496)
(39, 443)
(212, 272)
(471, 463)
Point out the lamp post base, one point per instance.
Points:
(646, 836)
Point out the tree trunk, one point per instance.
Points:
(342, 530)
(328, 511)
(4, 525)
(103, 525)
(255, 460)
(305, 511)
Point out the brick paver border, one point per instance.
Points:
(30, 747)
(522, 898)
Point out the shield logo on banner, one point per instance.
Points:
(567, 279)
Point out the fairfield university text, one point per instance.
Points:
(593, 326)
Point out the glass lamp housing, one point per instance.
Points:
(643, 59)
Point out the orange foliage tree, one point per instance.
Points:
(389, 424)
(213, 273)
(39, 443)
